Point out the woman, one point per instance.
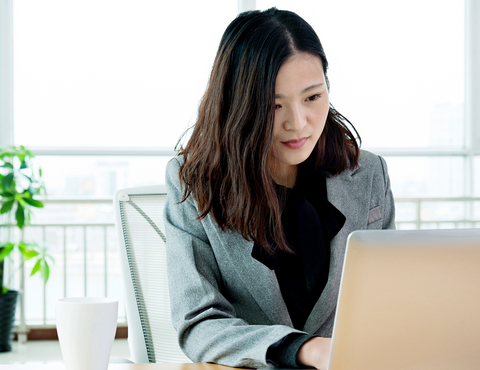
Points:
(261, 201)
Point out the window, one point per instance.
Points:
(103, 89)
(396, 68)
(399, 72)
(111, 73)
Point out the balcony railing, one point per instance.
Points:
(86, 255)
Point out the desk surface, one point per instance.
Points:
(159, 366)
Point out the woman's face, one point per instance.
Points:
(301, 109)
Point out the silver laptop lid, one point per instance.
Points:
(409, 300)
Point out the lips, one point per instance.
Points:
(295, 144)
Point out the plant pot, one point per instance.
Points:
(8, 304)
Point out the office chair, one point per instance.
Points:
(141, 240)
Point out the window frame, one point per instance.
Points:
(471, 122)
(472, 95)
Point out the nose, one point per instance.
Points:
(295, 119)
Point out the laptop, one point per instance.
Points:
(409, 300)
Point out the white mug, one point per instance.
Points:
(86, 328)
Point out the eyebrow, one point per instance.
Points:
(303, 91)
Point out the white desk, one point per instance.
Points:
(159, 366)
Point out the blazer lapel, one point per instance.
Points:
(339, 193)
(262, 282)
(259, 279)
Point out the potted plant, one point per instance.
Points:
(20, 183)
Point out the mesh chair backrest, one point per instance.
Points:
(144, 234)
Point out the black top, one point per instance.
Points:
(310, 222)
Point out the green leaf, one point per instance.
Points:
(7, 165)
(8, 154)
(23, 165)
(7, 206)
(20, 215)
(33, 202)
(7, 181)
(22, 245)
(40, 172)
(44, 268)
(45, 271)
(5, 250)
(4, 290)
(42, 189)
(4, 245)
(30, 191)
(29, 254)
(19, 199)
(28, 177)
(27, 250)
(36, 267)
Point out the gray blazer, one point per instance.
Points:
(227, 307)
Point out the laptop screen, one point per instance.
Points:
(409, 300)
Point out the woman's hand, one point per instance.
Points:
(315, 352)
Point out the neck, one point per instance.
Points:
(283, 174)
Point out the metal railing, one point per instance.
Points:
(438, 212)
(73, 261)
(68, 262)
(74, 256)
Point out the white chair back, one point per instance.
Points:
(141, 239)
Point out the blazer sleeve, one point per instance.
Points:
(207, 327)
(389, 206)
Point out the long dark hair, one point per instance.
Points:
(226, 160)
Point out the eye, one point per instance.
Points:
(277, 106)
(314, 97)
